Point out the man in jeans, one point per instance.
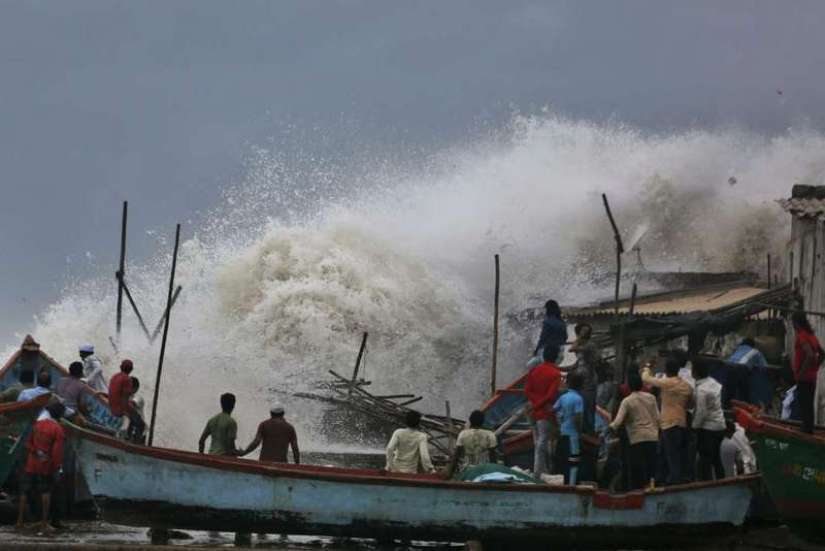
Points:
(541, 391)
(676, 395)
(708, 421)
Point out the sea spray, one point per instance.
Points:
(282, 278)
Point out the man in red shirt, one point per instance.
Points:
(120, 389)
(541, 390)
(276, 435)
(806, 363)
(44, 462)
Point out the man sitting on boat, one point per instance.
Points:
(71, 389)
(92, 368)
(276, 435)
(408, 449)
(26, 381)
(474, 446)
(222, 429)
(44, 381)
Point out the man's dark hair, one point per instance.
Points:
(227, 402)
(730, 428)
(701, 367)
(634, 381)
(747, 341)
(413, 419)
(76, 369)
(800, 321)
(126, 366)
(56, 409)
(575, 381)
(477, 419)
(44, 378)
(27, 377)
(551, 307)
(135, 383)
(550, 353)
(580, 326)
(672, 366)
(679, 356)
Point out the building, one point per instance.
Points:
(804, 257)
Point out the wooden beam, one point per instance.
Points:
(619, 250)
(162, 319)
(121, 269)
(361, 350)
(495, 329)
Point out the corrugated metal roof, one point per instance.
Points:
(803, 207)
(679, 302)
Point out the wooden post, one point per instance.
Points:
(621, 354)
(769, 270)
(135, 309)
(121, 269)
(619, 250)
(495, 328)
(165, 334)
(358, 360)
(159, 326)
(450, 433)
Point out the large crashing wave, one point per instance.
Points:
(283, 278)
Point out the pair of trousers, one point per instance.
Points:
(675, 451)
(708, 443)
(589, 413)
(642, 464)
(541, 444)
(805, 395)
(568, 458)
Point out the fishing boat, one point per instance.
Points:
(30, 357)
(165, 488)
(793, 468)
(16, 420)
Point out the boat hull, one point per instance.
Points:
(174, 489)
(793, 468)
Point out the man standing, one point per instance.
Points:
(640, 417)
(708, 421)
(43, 463)
(222, 429)
(541, 390)
(806, 361)
(569, 409)
(676, 395)
(553, 329)
(758, 382)
(587, 358)
(474, 446)
(92, 368)
(408, 449)
(276, 435)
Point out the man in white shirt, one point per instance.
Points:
(44, 381)
(408, 450)
(93, 369)
(708, 420)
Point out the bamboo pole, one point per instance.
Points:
(632, 300)
(135, 309)
(121, 269)
(165, 335)
(495, 328)
(450, 433)
(619, 250)
(358, 359)
(159, 326)
(769, 271)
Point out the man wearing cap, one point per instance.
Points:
(92, 368)
(276, 435)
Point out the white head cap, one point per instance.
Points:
(87, 348)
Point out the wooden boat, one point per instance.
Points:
(29, 356)
(793, 468)
(167, 488)
(16, 420)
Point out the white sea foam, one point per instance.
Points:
(282, 279)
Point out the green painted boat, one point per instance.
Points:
(16, 420)
(793, 468)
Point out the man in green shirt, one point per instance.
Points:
(222, 429)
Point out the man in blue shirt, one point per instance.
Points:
(44, 381)
(759, 386)
(553, 332)
(569, 410)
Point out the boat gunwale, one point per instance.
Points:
(37, 403)
(754, 422)
(376, 477)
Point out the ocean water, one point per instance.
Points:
(286, 273)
